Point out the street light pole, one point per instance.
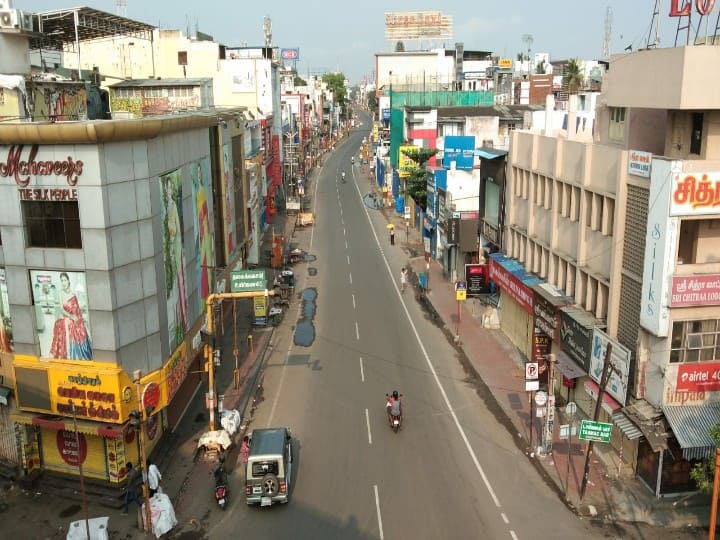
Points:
(142, 417)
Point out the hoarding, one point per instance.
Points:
(417, 25)
(695, 194)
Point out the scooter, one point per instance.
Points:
(221, 490)
(394, 413)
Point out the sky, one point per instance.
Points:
(344, 36)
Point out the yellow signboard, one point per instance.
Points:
(505, 63)
(174, 372)
(260, 305)
(404, 162)
(100, 391)
(461, 295)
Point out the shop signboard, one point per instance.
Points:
(617, 383)
(695, 193)
(698, 377)
(695, 290)
(476, 278)
(546, 319)
(639, 163)
(575, 339)
(460, 150)
(595, 431)
(247, 280)
(508, 275)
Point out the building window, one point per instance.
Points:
(695, 341)
(617, 124)
(696, 135)
(52, 224)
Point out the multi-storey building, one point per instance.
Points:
(628, 227)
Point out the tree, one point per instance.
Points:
(573, 79)
(336, 83)
(703, 473)
(416, 181)
(299, 81)
(540, 68)
(372, 102)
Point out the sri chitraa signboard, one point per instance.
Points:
(639, 163)
(695, 193)
(461, 150)
(698, 290)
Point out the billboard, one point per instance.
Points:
(203, 219)
(417, 25)
(617, 384)
(405, 162)
(290, 54)
(695, 194)
(174, 256)
(61, 314)
(461, 150)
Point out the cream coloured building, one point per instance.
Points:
(629, 227)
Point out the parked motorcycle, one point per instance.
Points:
(393, 407)
(221, 489)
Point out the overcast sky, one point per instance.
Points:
(345, 35)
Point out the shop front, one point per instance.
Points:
(573, 357)
(547, 301)
(77, 412)
(517, 318)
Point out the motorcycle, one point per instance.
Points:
(221, 490)
(394, 413)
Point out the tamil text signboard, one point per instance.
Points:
(417, 25)
(695, 194)
(697, 290)
(595, 431)
(248, 281)
(639, 163)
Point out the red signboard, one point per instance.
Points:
(71, 447)
(703, 377)
(703, 7)
(698, 290)
(511, 285)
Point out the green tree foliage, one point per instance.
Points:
(336, 83)
(573, 79)
(299, 81)
(703, 473)
(372, 102)
(416, 182)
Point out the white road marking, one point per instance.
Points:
(348, 258)
(362, 371)
(350, 278)
(367, 420)
(346, 244)
(504, 517)
(280, 383)
(344, 233)
(357, 331)
(426, 356)
(377, 507)
(513, 535)
(353, 298)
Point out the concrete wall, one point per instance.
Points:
(15, 56)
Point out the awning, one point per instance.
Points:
(59, 423)
(691, 425)
(650, 421)
(568, 366)
(608, 402)
(629, 429)
(4, 394)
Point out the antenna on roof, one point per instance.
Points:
(121, 8)
(608, 33)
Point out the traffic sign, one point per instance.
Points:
(571, 408)
(531, 371)
(541, 398)
(247, 280)
(531, 385)
(461, 285)
(460, 295)
(595, 431)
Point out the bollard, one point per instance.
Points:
(250, 343)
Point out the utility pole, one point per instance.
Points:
(141, 418)
(550, 416)
(80, 470)
(607, 370)
(714, 505)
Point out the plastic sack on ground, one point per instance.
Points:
(215, 439)
(162, 514)
(230, 420)
(98, 529)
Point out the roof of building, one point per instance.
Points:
(505, 112)
(57, 28)
(131, 83)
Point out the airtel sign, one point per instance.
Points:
(703, 7)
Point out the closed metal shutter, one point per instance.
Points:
(8, 442)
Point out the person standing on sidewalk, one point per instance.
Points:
(131, 488)
(245, 451)
(392, 236)
(403, 279)
(152, 477)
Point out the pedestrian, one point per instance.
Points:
(152, 477)
(245, 450)
(403, 279)
(392, 236)
(131, 487)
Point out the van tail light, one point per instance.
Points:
(283, 487)
(248, 490)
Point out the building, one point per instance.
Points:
(628, 227)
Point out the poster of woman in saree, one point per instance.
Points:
(205, 261)
(5, 320)
(62, 314)
(174, 257)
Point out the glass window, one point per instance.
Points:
(52, 224)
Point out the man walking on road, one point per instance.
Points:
(403, 279)
(392, 236)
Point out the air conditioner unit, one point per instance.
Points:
(5, 5)
(9, 18)
(26, 20)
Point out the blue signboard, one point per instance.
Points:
(386, 114)
(461, 150)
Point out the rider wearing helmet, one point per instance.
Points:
(352, 159)
(343, 176)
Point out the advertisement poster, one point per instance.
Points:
(61, 308)
(6, 336)
(174, 256)
(205, 256)
(229, 206)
